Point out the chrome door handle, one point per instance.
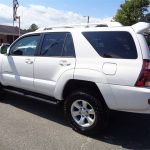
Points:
(28, 61)
(64, 63)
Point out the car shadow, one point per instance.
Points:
(128, 130)
(42, 109)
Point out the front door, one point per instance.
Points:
(17, 67)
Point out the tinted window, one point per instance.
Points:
(53, 44)
(68, 47)
(112, 44)
(25, 46)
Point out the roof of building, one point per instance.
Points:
(10, 30)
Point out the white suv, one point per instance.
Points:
(92, 69)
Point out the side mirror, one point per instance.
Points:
(3, 49)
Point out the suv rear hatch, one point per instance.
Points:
(144, 40)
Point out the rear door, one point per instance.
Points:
(57, 55)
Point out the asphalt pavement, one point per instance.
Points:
(27, 124)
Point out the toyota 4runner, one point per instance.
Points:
(91, 69)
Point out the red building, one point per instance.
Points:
(9, 33)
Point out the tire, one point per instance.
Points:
(85, 112)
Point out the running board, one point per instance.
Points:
(26, 94)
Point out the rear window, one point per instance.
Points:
(112, 44)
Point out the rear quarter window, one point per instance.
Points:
(112, 44)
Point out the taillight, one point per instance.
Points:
(144, 78)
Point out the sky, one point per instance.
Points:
(59, 12)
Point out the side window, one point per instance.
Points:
(113, 44)
(26, 46)
(68, 47)
(53, 44)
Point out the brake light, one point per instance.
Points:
(144, 78)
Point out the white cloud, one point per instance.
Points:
(43, 16)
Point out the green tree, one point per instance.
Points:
(132, 11)
(32, 28)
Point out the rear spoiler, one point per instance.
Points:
(141, 27)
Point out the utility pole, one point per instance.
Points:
(19, 33)
(15, 17)
(88, 20)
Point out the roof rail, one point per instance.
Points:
(106, 24)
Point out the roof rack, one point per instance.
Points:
(107, 24)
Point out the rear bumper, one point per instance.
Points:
(125, 98)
